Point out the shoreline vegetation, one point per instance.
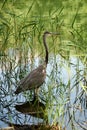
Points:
(64, 93)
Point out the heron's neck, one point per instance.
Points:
(46, 48)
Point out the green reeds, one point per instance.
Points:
(21, 50)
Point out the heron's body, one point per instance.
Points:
(33, 80)
(36, 77)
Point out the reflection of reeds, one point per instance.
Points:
(56, 92)
(31, 127)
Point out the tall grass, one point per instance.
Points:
(21, 50)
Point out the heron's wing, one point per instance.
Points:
(34, 79)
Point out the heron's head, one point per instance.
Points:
(50, 33)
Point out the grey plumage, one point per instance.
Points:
(33, 80)
(36, 77)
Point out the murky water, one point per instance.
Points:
(62, 93)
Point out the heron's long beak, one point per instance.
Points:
(54, 33)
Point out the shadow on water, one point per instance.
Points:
(62, 99)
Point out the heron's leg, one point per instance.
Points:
(36, 94)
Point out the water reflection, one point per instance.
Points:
(62, 93)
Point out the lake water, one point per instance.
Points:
(62, 93)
